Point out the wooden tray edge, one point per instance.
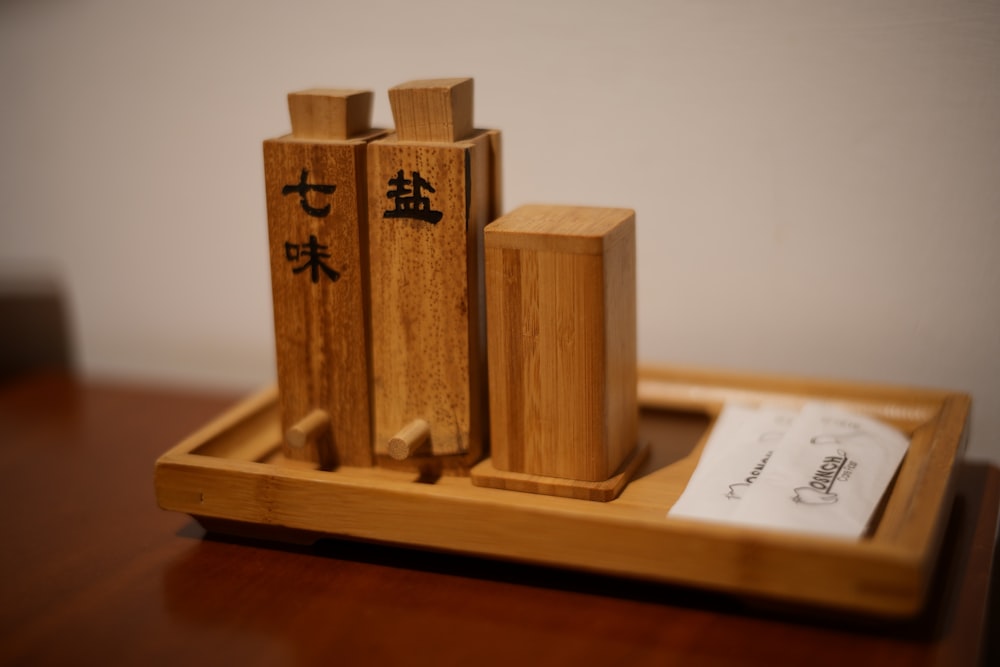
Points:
(876, 577)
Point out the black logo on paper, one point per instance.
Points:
(737, 490)
(833, 469)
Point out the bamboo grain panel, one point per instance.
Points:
(562, 340)
(226, 471)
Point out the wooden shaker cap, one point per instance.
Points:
(330, 113)
(432, 109)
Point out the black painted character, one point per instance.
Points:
(303, 187)
(410, 203)
(315, 254)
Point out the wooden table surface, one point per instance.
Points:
(94, 573)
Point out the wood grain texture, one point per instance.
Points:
(97, 574)
(562, 341)
(887, 574)
(319, 277)
(428, 337)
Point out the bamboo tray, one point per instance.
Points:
(232, 472)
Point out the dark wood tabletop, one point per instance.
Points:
(93, 572)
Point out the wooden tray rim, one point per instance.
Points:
(886, 574)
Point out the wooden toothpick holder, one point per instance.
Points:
(433, 186)
(560, 285)
(318, 236)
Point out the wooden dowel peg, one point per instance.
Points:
(410, 439)
(306, 428)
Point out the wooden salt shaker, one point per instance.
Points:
(433, 186)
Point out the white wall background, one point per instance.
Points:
(817, 184)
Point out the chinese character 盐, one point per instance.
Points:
(303, 188)
(409, 202)
(314, 252)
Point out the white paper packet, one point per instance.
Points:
(821, 470)
(734, 457)
(827, 476)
